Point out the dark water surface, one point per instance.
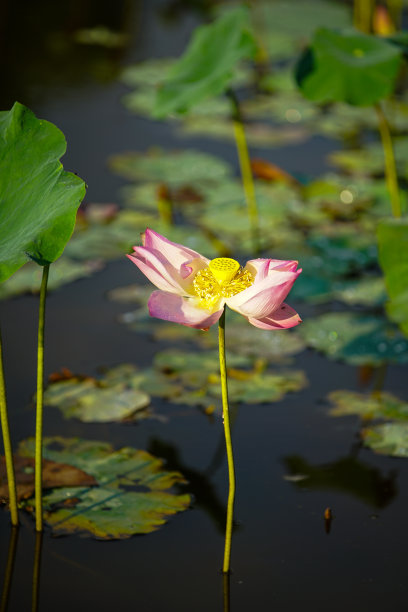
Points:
(283, 559)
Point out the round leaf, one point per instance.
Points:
(348, 67)
(38, 199)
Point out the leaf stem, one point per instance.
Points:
(40, 394)
(8, 453)
(228, 442)
(391, 175)
(246, 171)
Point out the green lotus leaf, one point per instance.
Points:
(38, 199)
(393, 255)
(356, 339)
(172, 168)
(207, 66)
(379, 405)
(104, 400)
(348, 67)
(387, 439)
(133, 495)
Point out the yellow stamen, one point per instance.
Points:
(222, 279)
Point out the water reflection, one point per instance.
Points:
(51, 28)
(199, 482)
(36, 571)
(347, 475)
(8, 575)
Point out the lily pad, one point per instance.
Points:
(356, 339)
(53, 475)
(379, 405)
(63, 271)
(39, 200)
(387, 439)
(173, 168)
(92, 400)
(348, 67)
(132, 497)
(206, 68)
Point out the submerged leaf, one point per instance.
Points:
(132, 497)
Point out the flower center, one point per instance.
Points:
(224, 277)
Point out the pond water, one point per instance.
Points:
(284, 554)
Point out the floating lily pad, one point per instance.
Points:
(92, 400)
(356, 339)
(63, 271)
(39, 200)
(53, 475)
(132, 497)
(387, 439)
(379, 405)
(173, 168)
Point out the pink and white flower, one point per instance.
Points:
(193, 289)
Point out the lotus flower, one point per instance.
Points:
(193, 289)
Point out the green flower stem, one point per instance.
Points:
(227, 431)
(246, 171)
(363, 11)
(391, 176)
(11, 557)
(7, 445)
(40, 393)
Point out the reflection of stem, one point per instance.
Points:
(391, 176)
(40, 390)
(246, 171)
(36, 572)
(7, 444)
(9, 569)
(227, 431)
(395, 8)
(226, 592)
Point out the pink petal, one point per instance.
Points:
(156, 271)
(261, 267)
(283, 318)
(265, 296)
(177, 309)
(176, 254)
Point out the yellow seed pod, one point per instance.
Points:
(224, 269)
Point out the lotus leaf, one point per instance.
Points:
(63, 271)
(174, 168)
(103, 400)
(379, 405)
(355, 338)
(39, 200)
(348, 67)
(132, 497)
(393, 255)
(387, 439)
(206, 68)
